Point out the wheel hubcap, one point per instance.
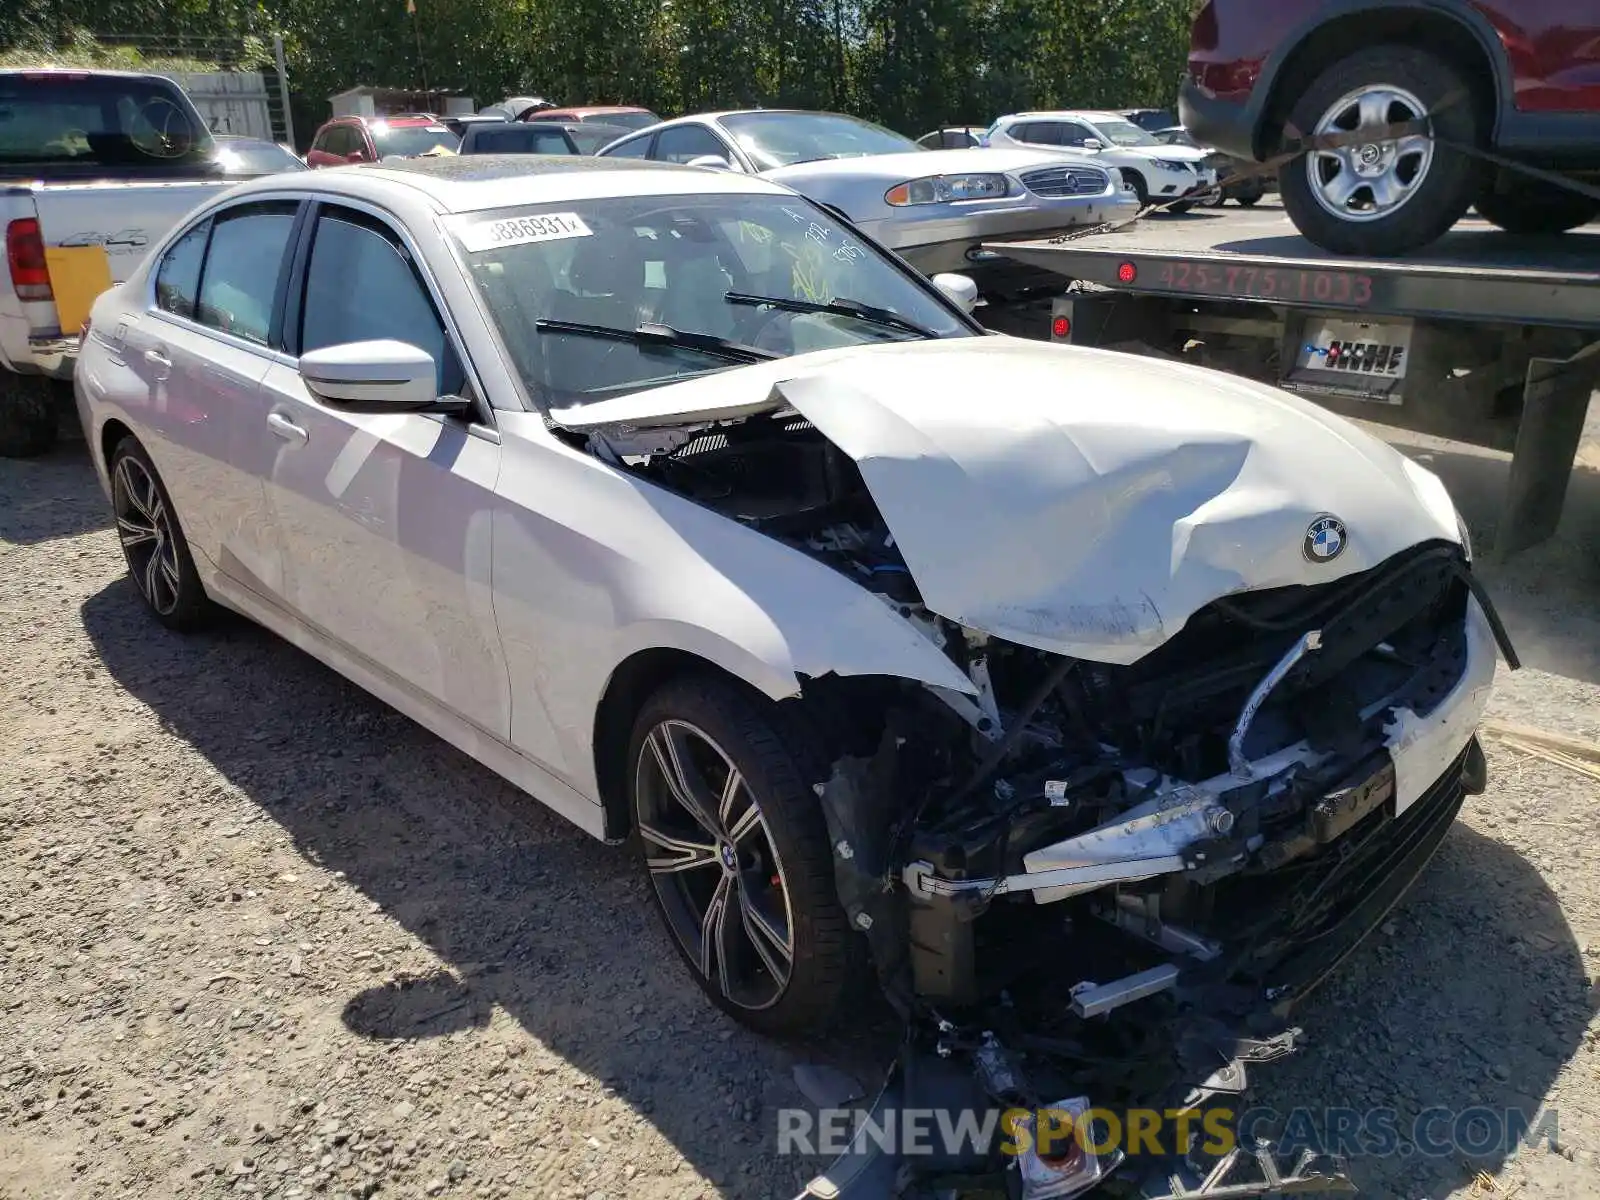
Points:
(1370, 180)
(145, 530)
(713, 864)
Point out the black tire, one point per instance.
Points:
(1530, 206)
(1437, 196)
(1250, 200)
(159, 563)
(1182, 206)
(1140, 188)
(777, 764)
(27, 415)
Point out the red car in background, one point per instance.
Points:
(346, 140)
(1518, 77)
(629, 116)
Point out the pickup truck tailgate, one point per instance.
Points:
(125, 218)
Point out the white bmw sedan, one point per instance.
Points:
(686, 508)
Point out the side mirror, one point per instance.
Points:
(959, 288)
(379, 376)
(1093, 144)
(716, 161)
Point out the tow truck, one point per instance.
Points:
(1483, 338)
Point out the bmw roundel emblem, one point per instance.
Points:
(1325, 539)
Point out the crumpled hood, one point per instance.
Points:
(1088, 503)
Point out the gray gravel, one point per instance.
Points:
(260, 935)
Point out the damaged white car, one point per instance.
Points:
(1043, 683)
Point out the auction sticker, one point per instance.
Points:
(520, 231)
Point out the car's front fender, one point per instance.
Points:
(593, 564)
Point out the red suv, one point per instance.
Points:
(367, 139)
(1520, 77)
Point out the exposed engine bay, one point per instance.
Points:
(1075, 877)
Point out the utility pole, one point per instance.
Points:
(283, 87)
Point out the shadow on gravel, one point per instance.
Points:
(529, 914)
(54, 496)
(1473, 996)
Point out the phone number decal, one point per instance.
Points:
(519, 231)
(1268, 283)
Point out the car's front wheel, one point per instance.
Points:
(159, 562)
(1383, 195)
(736, 850)
(1531, 206)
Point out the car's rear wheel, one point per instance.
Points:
(1385, 196)
(27, 415)
(736, 850)
(159, 562)
(1531, 206)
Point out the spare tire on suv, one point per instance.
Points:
(1385, 196)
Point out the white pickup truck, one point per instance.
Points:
(94, 167)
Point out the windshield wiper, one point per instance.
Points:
(870, 313)
(652, 333)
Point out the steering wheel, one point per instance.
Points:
(173, 137)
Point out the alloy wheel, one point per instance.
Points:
(1370, 180)
(145, 529)
(714, 865)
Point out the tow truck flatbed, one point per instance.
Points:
(1475, 273)
(1483, 337)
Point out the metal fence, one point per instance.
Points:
(247, 92)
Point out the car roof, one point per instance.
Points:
(1079, 114)
(475, 182)
(407, 121)
(85, 71)
(591, 110)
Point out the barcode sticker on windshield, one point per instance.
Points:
(519, 231)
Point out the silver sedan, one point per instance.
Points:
(933, 207)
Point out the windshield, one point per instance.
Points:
(628, 120)
(672, 262)
(1125, 133)
(1178, 137)
(779, 139)
(407, 140)
(92, 120)
(247, 156)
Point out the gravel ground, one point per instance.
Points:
(261, 935)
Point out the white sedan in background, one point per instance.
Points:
(934, 208)
(697, 516)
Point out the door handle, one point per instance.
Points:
(160, 362)
(286, 429)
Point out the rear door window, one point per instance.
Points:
(178, 276)
(638, 147)
(684, 143)
(245, 258)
